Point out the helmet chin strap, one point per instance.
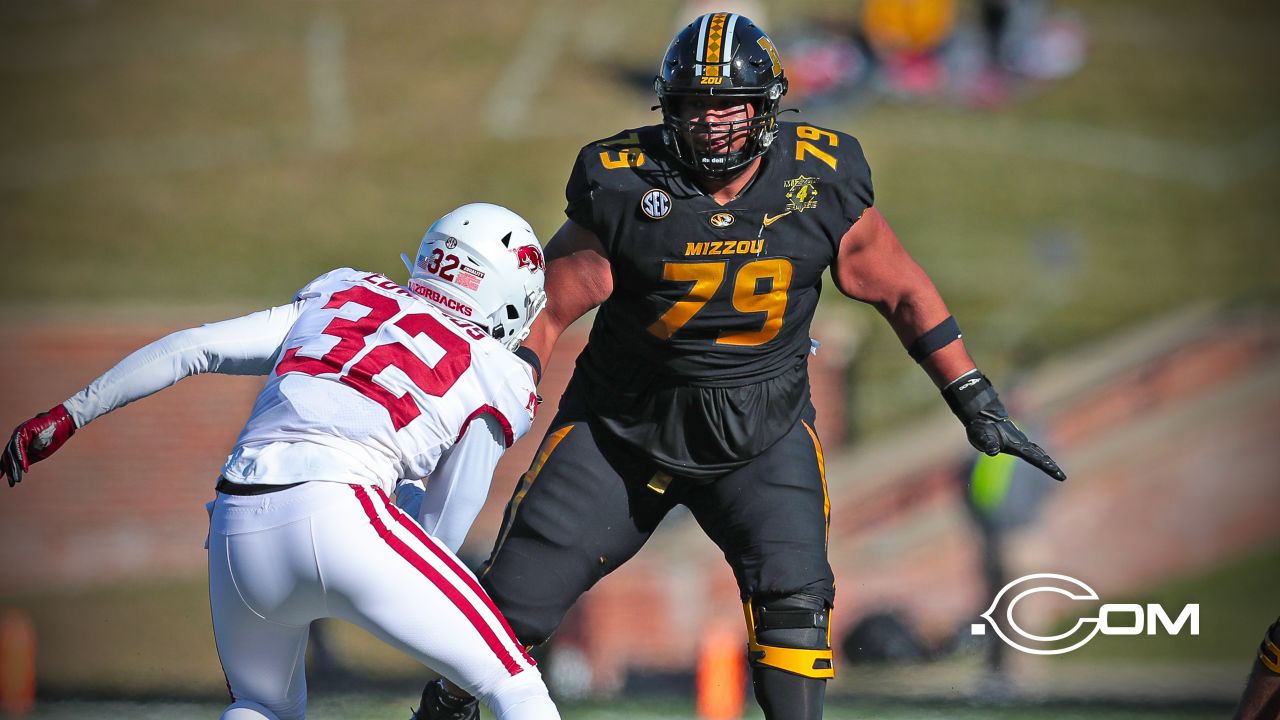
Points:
(536, 302)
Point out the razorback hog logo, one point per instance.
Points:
(530, 256)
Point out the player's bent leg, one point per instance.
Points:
(384, 573)
(246, 710)
(263, 594)
(521, 697)
(580, 511)
(770, 519)
(789, 648)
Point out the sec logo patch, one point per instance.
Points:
(656, 204)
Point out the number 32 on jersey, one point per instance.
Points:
(353, 336)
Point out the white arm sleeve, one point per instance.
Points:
(457, 488)
(242, 346)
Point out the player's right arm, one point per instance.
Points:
(242, 346)
(579, 278)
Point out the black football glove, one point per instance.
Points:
(35, 440)
(988, 426)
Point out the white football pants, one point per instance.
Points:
(321, 549)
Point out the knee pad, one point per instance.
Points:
(790, 633)
(247, 710)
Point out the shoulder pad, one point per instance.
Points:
(328, 281)
(631, 148)
(823, 149)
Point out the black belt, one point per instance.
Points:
(227, 487)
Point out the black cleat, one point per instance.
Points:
(439, 704)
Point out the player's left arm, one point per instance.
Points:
(456, 490)
(873, 267)
(242, 346)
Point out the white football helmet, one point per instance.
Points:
(482, 263)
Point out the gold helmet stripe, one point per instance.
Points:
(713, 42)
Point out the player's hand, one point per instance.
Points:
(35, 440)
(988, 426)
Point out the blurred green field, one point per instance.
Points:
(1236, 602)
(375, 708)
(161, 645)
(177, 154)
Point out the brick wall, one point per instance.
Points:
(125, 498)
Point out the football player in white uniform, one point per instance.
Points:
(368, 383)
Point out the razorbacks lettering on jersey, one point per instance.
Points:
(372, 385)
(699, 356)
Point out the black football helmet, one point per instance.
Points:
(720, 55)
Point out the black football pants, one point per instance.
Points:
(586, 506)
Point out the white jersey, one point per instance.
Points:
(372, 384)
(367, 384)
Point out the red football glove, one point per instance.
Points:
(35, 440)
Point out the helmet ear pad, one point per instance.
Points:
(483, 264)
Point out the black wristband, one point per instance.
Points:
(970, 394)
(531, 357)
(934, 339)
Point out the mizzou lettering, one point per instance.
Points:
(725, 247)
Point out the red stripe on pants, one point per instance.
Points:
(443, 585)
(451, 561)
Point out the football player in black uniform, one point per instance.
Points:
(703, 242)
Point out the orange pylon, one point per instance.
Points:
(17, 663)
(722, 674)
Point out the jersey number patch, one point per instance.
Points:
(804, 147)
(353, 336)
(747, 298)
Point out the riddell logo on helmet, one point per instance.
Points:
(442, 300)
(530, 256)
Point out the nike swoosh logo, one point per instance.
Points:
(771, 220)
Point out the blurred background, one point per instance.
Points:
(1092, 184)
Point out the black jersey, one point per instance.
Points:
(699, 356)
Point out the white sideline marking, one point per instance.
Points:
(327, 81)
(1212, 167)
(508, 106)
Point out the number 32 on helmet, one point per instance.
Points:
(482, 263)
